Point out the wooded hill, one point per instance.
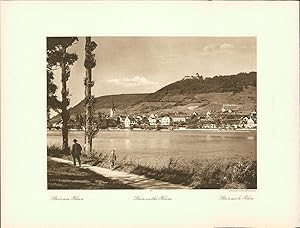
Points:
(192, 93)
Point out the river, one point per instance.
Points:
(157, 147)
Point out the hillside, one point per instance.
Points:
(200, 103)
(192, 93)
(191, 85)
(104, 103)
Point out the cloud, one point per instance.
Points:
(226, 46)
(133, 81)
(214, 49)
(209, 48)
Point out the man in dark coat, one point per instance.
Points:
(76, 152)
(112, 159)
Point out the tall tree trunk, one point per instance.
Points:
(88, 96)
(64, 111)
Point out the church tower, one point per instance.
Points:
(112, 110)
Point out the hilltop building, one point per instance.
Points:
(197, 76)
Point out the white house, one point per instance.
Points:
(128, 122)
(152, 121)
(208, 113)
(58, 125)
(250, 123)
(165, 121)
(178, 119)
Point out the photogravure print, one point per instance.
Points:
(151, 113)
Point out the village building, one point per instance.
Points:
(165, 121)
(233, 123)
(250, 123)
(193, 115)
(208, 113)
(244, 119)
(122, 119)
(230, 108)
(129, 121)
(58, 125)
(226, 110)
(139, 118)
(253, 113)
(178, 119)
(152, 121)
(206, 124)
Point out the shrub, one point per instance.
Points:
(56, 151)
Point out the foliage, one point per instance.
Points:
(58, 57)
(56, 47)
(211, 175)
(90, 60)
(52, 101)
(91, 126)
(56, 151)
(79, 121)
(55, 57)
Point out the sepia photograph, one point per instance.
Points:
(157, 114)
(151, 112)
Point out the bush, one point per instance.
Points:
(204, 175)
(56, 151)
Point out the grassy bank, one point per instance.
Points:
(211, 174)
(216, 174)
(65, 176)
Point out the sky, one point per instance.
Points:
(145, 64)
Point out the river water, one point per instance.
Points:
(157, 147)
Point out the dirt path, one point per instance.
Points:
(133, 180)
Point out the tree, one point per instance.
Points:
(91, 126)
(79, 122)
(58, 57)
(52, 102)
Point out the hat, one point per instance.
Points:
(75, 140)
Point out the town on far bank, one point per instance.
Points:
(228, 118)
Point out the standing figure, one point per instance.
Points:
(112, 159)
(76, 152)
